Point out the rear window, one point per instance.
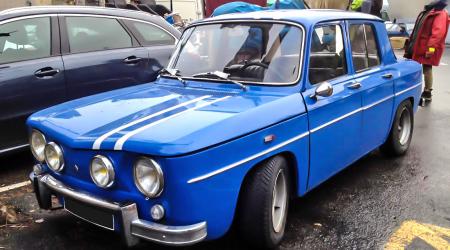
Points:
(149, 34)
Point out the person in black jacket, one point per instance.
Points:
(368, 6)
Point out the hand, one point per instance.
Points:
(429, 54)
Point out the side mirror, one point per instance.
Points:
(324, 90)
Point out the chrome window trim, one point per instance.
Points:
(13, 19)
(301, 55)
(122, 18)
(298, 137)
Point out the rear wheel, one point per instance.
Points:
(263, 204)
(401, 132)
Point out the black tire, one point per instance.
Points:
(255, 222)
(395, 145)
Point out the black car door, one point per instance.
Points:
(100, 54)
(31, 74)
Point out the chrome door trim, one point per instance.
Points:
(335, 120)
(250, 158)
(408, 89)
(13, 148)
(377, 102)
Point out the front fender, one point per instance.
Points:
(205, 186)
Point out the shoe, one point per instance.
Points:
(426, 95)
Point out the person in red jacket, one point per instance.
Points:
(427, 41)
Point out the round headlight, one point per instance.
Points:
(37, 144)
(102, 171)
(148, 177)
(54, 156)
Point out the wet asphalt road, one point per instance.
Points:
(360, 208)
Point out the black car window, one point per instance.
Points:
(364, 47)
(327, 59)
(149, 34)
(95, 33)
(25, 40)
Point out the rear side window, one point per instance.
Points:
(149, 34)
(96, 33)
(25, 40)
(364, 46)
(327, 59)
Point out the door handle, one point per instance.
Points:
(388, 76)
(132, 60)
(355, 85)
(46, 72)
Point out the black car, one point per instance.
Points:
(52, 54)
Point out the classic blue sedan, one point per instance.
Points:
(253, 110)
(50, 55)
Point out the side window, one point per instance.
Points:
(25, 40)
(364, 47)
(96, 33)
(327, 58)
(150, 34)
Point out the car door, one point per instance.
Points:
(334, 120)
(31, 74)
(159, 43)
(100, 54)
(376, 83)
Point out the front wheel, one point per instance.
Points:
(401, 132)
(263, 204)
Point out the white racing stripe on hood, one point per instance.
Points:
(99, 140)
(123, 139)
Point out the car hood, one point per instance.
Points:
(164, 119)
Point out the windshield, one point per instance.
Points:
(259, 52)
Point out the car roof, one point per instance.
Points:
(87, 10)
(305, 17)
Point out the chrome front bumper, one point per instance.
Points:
(133, 228)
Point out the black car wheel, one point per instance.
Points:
(263, 204)
(401, 132)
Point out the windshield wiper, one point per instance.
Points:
(220, 75)
(174, 73)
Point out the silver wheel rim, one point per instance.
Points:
(404, 127)
(279, 202)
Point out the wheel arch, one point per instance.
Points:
(292, 166)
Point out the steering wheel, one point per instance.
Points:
(255, 63)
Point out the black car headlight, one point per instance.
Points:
(148, 177)
(54, 156)
(37, 145)
(102, 171)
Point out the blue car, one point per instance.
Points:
(254, 109)
(50, 55)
